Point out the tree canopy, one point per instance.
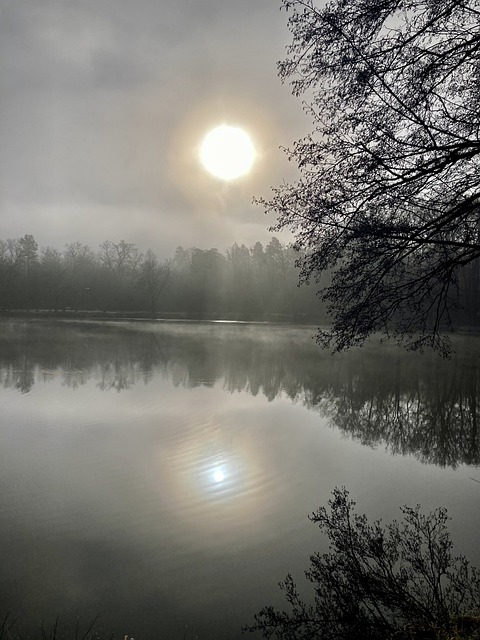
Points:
(387, 203)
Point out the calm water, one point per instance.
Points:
(160, 474)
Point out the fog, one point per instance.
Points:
(103, 109)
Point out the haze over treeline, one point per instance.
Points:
(244, 282)
(252, 283)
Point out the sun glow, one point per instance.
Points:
(227, 152)
(218, 475)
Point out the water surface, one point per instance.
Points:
(160, 474)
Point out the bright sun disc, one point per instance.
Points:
(218, 475)
(227, 152)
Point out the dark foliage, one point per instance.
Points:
(379, 582)
(390, 183)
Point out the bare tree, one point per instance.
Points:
(120, 258)
(52, 277)
(389, 187)
(78, 255)
(154, 277)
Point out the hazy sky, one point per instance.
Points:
(103, 106)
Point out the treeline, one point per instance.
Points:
(260, 282)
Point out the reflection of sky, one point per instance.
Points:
(113, 497)
(201, 430)
(175, 439)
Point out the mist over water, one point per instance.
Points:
(160, 474)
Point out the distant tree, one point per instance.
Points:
(120, 258)
(7, 272)
(258, 257)
(276, 269)
(259, 276)
(83, 289)
(28, 252)
(154, 277)
(380, 582)
(52, 278)
(78, 255)
(240, 275)
(275, 258)
(205, 280)
(17, 258)
(388, 197)
(13, 252)
(121, 262)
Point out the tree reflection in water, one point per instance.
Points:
(413, 404)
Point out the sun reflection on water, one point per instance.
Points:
(215, 482)
(219, 475)
(216, 478)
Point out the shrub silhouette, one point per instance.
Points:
(377, 582)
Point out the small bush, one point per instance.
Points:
(11, 629)
(398, 581)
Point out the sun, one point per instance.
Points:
(218, 475)
(227, 152)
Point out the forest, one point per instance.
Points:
(257, 283)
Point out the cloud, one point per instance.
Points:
(104, 104)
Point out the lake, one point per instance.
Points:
(160, 474)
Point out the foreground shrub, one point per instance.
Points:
(378, 582)
(11, 629)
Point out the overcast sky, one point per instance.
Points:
(104, 104)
